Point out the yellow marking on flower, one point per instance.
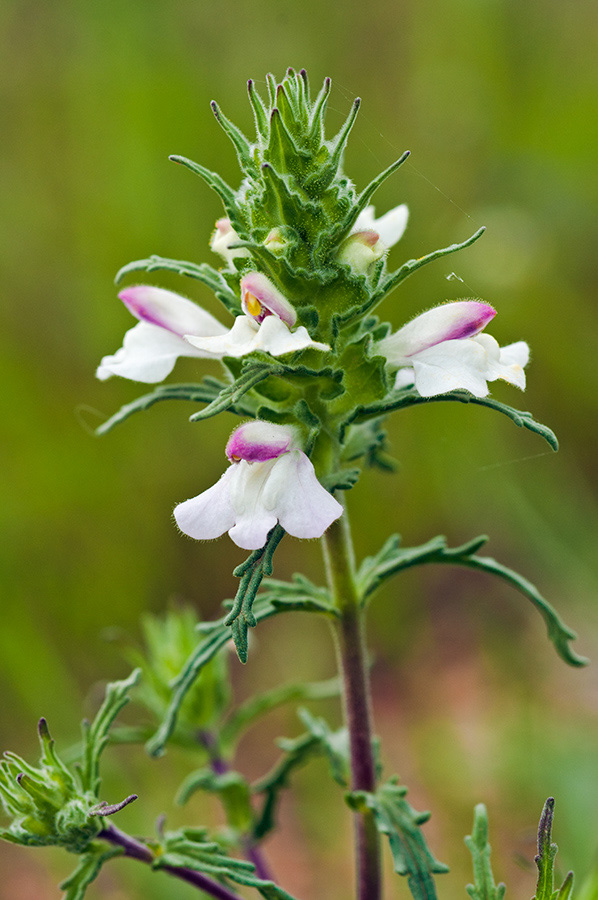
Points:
(252, 304)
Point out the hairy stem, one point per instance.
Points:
(350, 635)
(137, 850)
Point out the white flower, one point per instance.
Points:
(221, 240)
(269, 480)
(265, 326)
(444, 351)
(390, 227)
(171, 326)
(151, 348)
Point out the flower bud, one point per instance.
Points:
(360, 250)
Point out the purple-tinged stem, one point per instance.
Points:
(137, 850)
(350, 634)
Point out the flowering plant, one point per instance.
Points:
(313, 374)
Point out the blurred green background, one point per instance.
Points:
(497, 100)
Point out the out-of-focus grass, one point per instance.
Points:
(497, 102)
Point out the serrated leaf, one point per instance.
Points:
(88, 869)
(319, 740)
(409, 397)
(297, 753)
(334, 745)
(206, 392)
(484, 887)
(253, 709)
(251, 572)
(392, 559)
(190, 849)
(198, 271)
(230, 396)
(396, 818)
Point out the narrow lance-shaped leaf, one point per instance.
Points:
(408, 268)
(200, 272)
(410, 397)
(320, 740)
(224, 191)
(392, 559)
(232, 393)
(259, 111)
(484, 887)
(96, 735)
(251, 572)
(206, 392)
(240, 142)
(545, 858)
(317, 114)
(344, 228)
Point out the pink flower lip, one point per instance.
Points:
(139, 300)
(259, 441)
(479, 314)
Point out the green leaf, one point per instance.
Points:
(334, 745)
(392, 558)
(364, 376)
(300, 594)
(96, 735)
(208, 391)
(253, 709)
(224, 191)
(190, 848)
(251, 573)
(231, 787)
(547, 851)
(200, 272)
(229, 397)
(88, 869)
(412, 265)
(410, 397)
(484, 887)
(242, 146)
(341, 231)
(218, 634)
(395, 818)
(320, 740)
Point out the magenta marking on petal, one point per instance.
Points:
(258, 442)
(473, 325)
(135, 299)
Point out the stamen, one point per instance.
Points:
(252, 305)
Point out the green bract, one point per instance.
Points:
(55, 804)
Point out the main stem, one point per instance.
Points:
(352, 652)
